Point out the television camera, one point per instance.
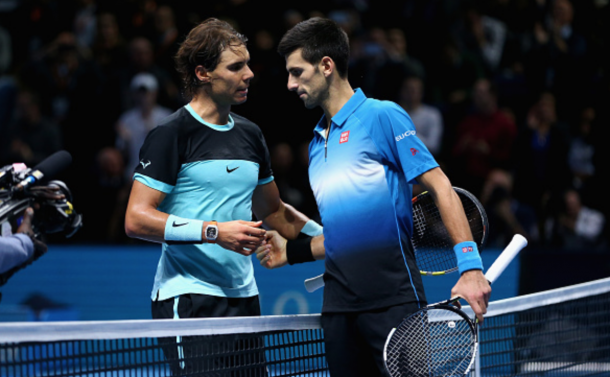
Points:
(22, 187)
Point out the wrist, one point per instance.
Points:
(299, 251)
(183, 230)
(210, 231)
(467, 255)
(312, 229)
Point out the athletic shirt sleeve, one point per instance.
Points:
(396, 139)
(265, 174)
(160, 158)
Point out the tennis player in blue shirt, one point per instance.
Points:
(363, 160)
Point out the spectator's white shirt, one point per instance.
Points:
(428, 122)
(133, 129)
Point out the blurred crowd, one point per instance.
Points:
(511, 96)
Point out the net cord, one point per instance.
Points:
(126, 329)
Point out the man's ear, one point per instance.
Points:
(327, 66)
(202, 74)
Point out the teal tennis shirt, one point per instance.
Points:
(209, 172)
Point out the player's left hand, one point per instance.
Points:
(272, 253)
(475, 289)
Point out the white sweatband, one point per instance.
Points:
(179, 229)
(312, 229)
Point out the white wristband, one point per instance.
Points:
(179, 229)
(312, 229)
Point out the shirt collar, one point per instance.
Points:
(341, 117)
(217, 127)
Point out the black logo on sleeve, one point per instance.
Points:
(231, 170)
(177, 225)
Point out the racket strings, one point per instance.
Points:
(432, 244)
(421, 347)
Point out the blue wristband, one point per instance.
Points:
(468, 258)
(179, 229)
(312, 229)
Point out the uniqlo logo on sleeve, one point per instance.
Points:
(466, 249)
(344, 137)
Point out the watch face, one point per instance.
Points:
(211, 232)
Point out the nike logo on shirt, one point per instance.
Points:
(231, 170)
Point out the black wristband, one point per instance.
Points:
(299, 251)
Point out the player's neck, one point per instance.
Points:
(339, 92)
(210, 111)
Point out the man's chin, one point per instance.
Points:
(310, 105)
(240, 100)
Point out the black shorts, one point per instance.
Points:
(217, 355)
(203, 306)
(354, 341)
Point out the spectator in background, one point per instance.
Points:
(134, 124)
(106, 182)
(556, 60)
(450, 80)
(576, 226)
(398, 52)
(142, 60)
(541, 155)
(582, 150)
(484, 139)
(483, 36)
(85, 22)
(397, 63)
(165, 39)
(32, 136)
(109, 47)
(428, 120)
(506, 214)
(8, 91)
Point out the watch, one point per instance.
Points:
(211, 231)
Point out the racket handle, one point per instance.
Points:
(314, 283)
(510, 252)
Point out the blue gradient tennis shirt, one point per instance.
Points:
(361, 177)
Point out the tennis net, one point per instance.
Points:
(562, 332)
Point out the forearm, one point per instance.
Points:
(287, 221)
(453, 215)
(16, 250)
(146, 224)
(454, 219)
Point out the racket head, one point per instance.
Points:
(432, 245)
(438, 340)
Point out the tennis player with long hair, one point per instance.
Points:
(363, 159)
(202, 172)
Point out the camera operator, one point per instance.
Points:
(21, 246)
(24, 246)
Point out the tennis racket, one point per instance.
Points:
(432, 244)
(440, 339)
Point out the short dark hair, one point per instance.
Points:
(203, 46)
(318, 37)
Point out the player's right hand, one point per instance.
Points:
(240, 236)
(272, 253)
